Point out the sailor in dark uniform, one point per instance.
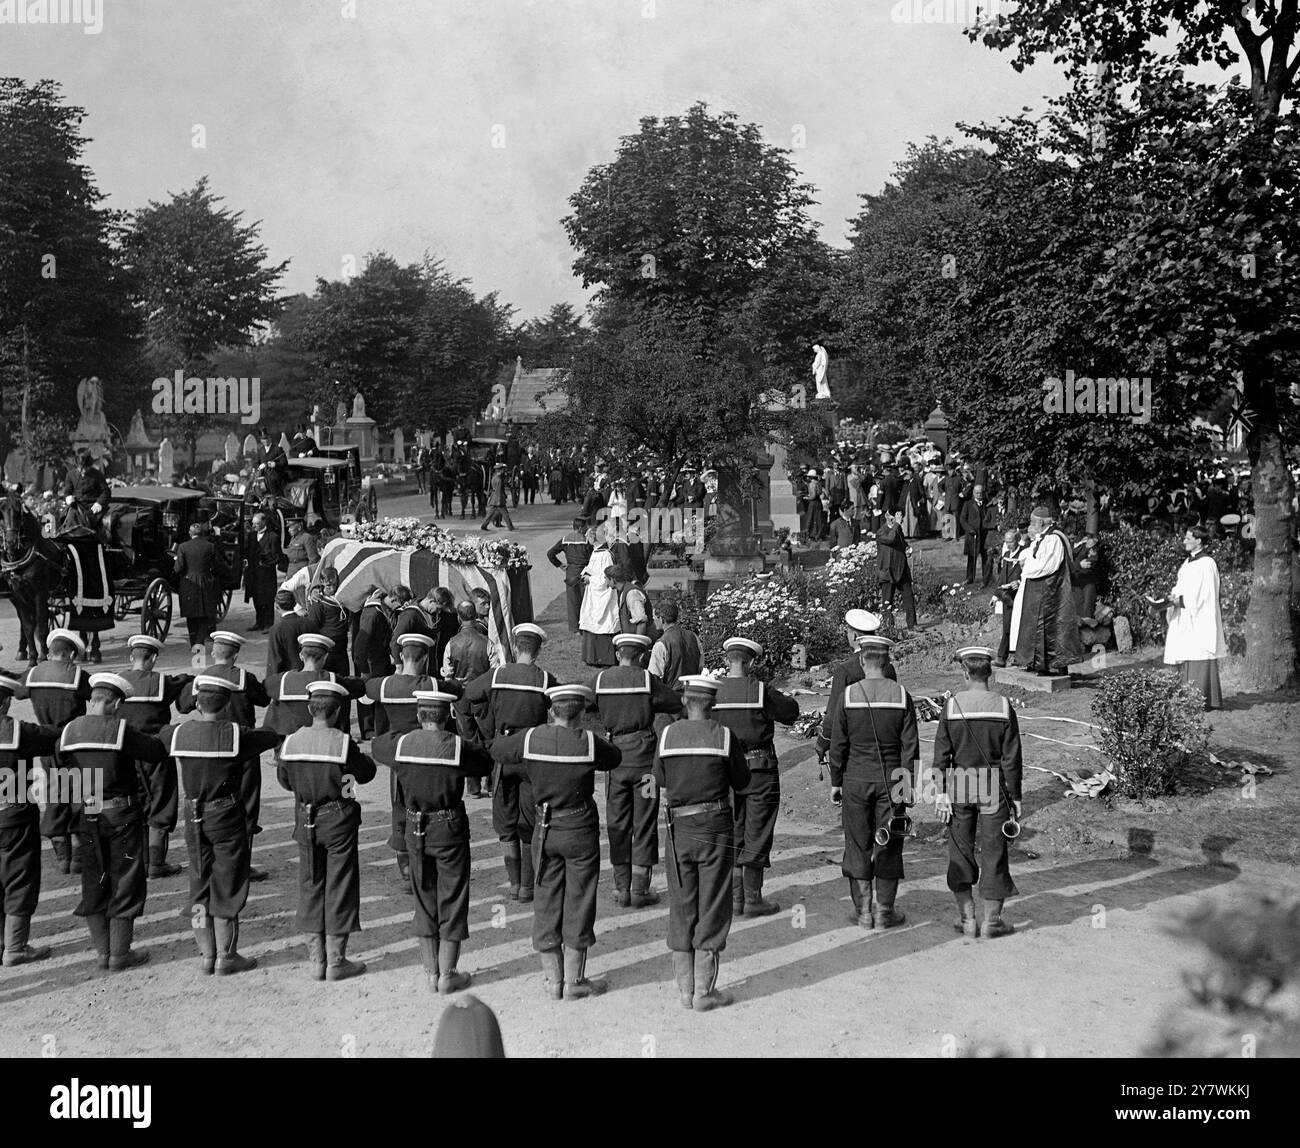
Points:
(322, 766)
(409, 619)
(857, 625)
(577, 548)
(432, 765)
(288, 691)
(20, 829)
(213, 754)
(875, 762)
(561, 761)
(148, 709)
(699, 764)
(245, 698)
(110, 762)
(977, 751)
(748, 707)
(328, 616)
(370, 655)
(58, 690)
(628, 698)
(503, 701)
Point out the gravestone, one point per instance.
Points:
(399, 446)
(232, 447)
(252, 447)
(1123, 635)
(166, 461)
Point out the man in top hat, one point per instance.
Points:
(111, 763)
(875, 757)
(148, 708)
(322, 766)
(504, 701)
(247, 695)
(282, 645)
(288, 691)
(90, 490)
(857, 625)
(58, 690)
(370, 654)
(560, 761)
(213, 755)
(327, 616)
(497, 507)
(395, 705)
(20, 830)
(628, 698)
(977, 752)
(577, 547)
(1044, 625)
(701, 766)
(431, 764)
(261, 565)
(748, 707)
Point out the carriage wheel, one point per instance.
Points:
(156, 610)
(121, 606)
(225, 605)
(60, 612)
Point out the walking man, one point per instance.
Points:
(497, 507)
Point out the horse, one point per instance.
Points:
(32, 564)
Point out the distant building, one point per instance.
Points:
(527, 400)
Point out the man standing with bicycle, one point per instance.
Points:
(874, 759)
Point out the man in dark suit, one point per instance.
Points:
(262, 576)
(891, 490)
(980, 531)
(201, 568)
(282, 645)
(895, 572)
(275, 466)
(844, 530)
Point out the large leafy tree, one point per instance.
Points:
(551, 339)
(1217, 235)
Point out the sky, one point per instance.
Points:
(460, 127)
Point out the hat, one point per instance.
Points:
(212, 682)
(144, 641)
(864, 621)
(305, 640)
(974, 652)
(698, 684)
(414, 639)
(529, 628)
(323, 686)
(573, 690)
(1042, 513)
(642, 640)
(112, 682)
(433, 696)
(873, 642)
(66, 636)
(499, 466)
(228, 637)
(8, 685)
(745, 644)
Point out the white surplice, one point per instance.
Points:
(599, 613)
(1195, 629)
(1042, 558)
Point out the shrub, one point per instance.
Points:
(1152, 727)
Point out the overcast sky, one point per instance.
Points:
(348, 135)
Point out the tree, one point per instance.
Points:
(550, 341)
(1249, 157)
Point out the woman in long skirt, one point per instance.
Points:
(1195, 641)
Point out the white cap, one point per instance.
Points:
(529, 628)
(318, 640)
(433, 696)
(113, 682)
(324, 686)
(747, 644)
(698, 684)
(874, 642)
(642, 640)
(572, 690)
(413, 639)
(974, 652)
(67, 636)
(864, 621)
(144, 641)
(229, 638)
(212, 682)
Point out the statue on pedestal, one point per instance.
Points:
(358, 406)
(820, 363)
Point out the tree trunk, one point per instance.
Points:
(1093, 511)
(1270, 640)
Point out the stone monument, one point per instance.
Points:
(361, 430)
(232, 447)
(139, 447)
(734, 550)
(92, 435)
(399, 446)
(166, 461)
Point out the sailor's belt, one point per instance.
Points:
(436, 814)
(343, 804)
(571, 811)
(213, 803)
(701, 807)
(93, 807)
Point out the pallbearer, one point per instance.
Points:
(977, 751)
(699, 764)
(322, 766)
(748, 707)
(431, 765)
(213, 754)
(628, 698)
(111, 762)
(874, 760)
(20, 829)
(504, 701)
(560, 761)
(148, 709)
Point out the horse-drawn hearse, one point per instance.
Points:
(318, 491)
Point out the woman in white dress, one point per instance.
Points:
(598, 618)
(1195, 642)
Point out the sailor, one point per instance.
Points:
(560, 761)
(288, 691)
(628, 699)
(748, 707)
(322, 766)
(370, 655)
(213, 754)
(857, 624)
(874, 758)
(432, 765)
(328, 616)
(977, 753)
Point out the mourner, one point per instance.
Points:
(469, 654)
(977, 754)
(282, 645)
(700, 764)
(874, 759)
(370, 654)
(628, 698)
(321, 766)
(261, 578)
(113, 762)
(749, 708)
(213, 755)
(431, 764)
(560, 761)
(408, 618)
(327, 616)
(200, 567)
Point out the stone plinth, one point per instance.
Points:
(361, 432)
(782, 501)
(1010, 676)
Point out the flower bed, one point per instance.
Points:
(412, 534)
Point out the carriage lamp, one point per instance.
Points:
(171, 520)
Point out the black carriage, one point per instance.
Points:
(357, 497)
(140, 531)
